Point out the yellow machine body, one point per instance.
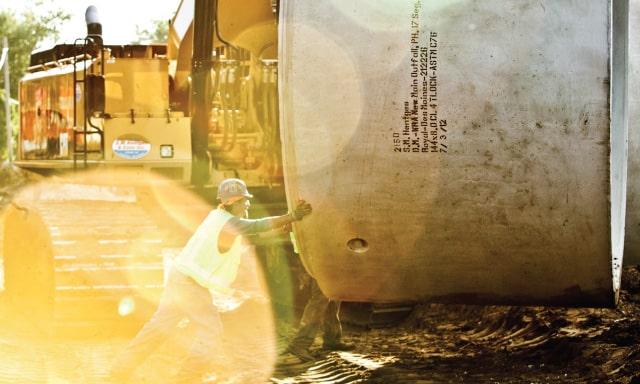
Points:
(131, 130)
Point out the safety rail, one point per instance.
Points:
(57, 63)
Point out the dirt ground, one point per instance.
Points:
(435, 344)
(491, 344)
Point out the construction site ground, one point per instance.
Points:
(436, 343)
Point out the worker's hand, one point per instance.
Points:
(302, 209)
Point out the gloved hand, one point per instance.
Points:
(302, 209)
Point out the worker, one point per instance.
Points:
(209, 261)
(318, 312)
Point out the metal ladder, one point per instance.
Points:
(81, 152)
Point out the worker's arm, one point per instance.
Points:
(238, 226)
(284, 230)
(254, 226)
(271, 235)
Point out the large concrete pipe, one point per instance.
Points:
(632, 235)
(456, 151)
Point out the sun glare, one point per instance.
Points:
(86, 258)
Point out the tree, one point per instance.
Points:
(24, 31)
(156, 35)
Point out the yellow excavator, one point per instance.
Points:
(90, 104)
(112, 124)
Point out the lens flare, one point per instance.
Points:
(126, 306)
(86, 257)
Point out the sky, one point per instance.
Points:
(118, 17)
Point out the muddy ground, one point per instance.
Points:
(435, 344)
(490, 344)
(499, 344)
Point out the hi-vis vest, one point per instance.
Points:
(201, 260)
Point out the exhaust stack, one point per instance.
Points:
(94, 28)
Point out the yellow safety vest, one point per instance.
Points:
(201, 260)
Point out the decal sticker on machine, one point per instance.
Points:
(422, 130)
(131, 147)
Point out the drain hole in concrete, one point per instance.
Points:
(358, 245)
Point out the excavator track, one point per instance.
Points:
(103, 253)
(105, 263)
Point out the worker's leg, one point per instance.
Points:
(154, 333)
(332, 327)
(311, 320)
(206, 348)
(332, 337)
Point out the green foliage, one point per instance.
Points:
(24, 31)
(156, 35)
(15, 119)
